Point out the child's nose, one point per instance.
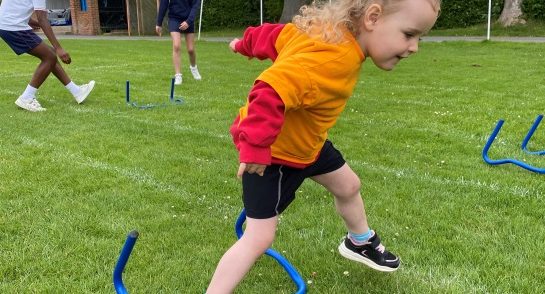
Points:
(413, 46)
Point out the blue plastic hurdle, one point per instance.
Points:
(172, 100)
(292, 272)
(122, 262)
(133, 236)
(529, 136)
(506, 160)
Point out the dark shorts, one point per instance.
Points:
(268, 195)
(21, 41)
(174, 26)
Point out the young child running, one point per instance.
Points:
(281, 132)
(16, 27)
(181, 20)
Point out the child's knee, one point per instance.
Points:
(176, 47)
(259, 243)
(349, 189)
(50, 59)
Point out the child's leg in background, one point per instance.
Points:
(57, 70)
(345, 185)
(176, 47)
(48, 61)
(237, 261)
(61, 75)
(190, 44)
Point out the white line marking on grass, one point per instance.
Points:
(438, 283)
(138, 176)
(460, 181)
(163, 124)
(9, 93)
(438, 89)
(15, 75)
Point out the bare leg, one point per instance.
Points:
(345, 185)
(176, 46)
(238, 260)
(190, 44)
(61, 75)
(46, 66)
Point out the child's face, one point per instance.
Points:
(387, 38)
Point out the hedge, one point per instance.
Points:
(534, 9)
(464, 13)
(454, 13)
(239, 13)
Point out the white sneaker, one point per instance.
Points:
(177, 79)
(84, 91)
(32, 105)
(195, 73)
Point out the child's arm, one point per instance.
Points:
(163, 6)
(191, 17)
(259, 42)
(258, 130)
(43, 22)
(33, 23)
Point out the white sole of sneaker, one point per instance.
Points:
(22, 106)
(347, 253)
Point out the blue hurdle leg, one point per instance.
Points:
(172, 90)
(127, 91)
(529, 136)
(122, 261)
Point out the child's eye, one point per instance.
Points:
(409, 35)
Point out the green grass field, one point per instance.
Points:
(74, 180)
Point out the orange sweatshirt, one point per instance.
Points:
(298, 98)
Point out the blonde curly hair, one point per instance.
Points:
(327, 19)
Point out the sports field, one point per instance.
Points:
(74, 180)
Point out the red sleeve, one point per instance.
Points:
(259, 129)
(259, 42)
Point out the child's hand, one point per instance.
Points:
(159, 30)
(34, 24)
(183, 26)
(63, 55)
(251, 168)
(233, 43)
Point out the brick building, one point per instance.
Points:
(93, 17)
(85, 17)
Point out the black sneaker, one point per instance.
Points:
(372, 254)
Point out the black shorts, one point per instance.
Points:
(21, 41)
(174, 26)
(269, 195)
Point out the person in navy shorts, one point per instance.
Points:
(16, 29)
(181, 20)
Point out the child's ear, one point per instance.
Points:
(371, 16)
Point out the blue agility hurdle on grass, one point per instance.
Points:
(172, 100)
(529, 136)
(133, 235)
(292, 272)
(122, 262)
(506, 160)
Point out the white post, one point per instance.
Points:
(200, 21)
(261, 10)
(489, 17)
